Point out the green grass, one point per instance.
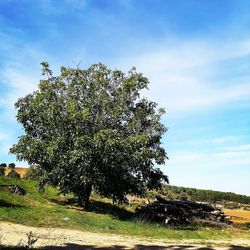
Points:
(49, 210)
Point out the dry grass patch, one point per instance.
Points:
(239, 216)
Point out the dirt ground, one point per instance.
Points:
(54, 238)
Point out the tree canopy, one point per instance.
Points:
(12, 165)
(3, 165)
(91, 129)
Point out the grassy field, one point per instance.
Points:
(21, 171)
(50, 210)
(239, 216)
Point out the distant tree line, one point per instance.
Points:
(12, 173)
(168, 191)
(183, 193)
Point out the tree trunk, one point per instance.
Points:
(84, 195)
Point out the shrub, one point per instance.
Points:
(12, 165)
(1, 171)
(3, 165)
(33, 173)
(13, 174)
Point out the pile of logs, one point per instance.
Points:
(183, 213)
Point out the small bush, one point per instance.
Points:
(13, 174)
(3, 165)
(2, 171)
(247, 225)
(32, 239)
(12, 165)
(33, 173)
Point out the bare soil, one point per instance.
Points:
(14, 234)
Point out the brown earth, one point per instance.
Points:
(53, 238)
(21, 171)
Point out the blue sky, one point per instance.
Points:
(196, 55)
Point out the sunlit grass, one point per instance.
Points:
(49, 210)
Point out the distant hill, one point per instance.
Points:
(184, 193)
(231, 200)
(51, 210)
(21, 171)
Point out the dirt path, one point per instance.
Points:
(12, 234)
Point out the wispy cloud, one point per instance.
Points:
(225, 171)
(226, 139)
(19, 81)
(216, 141)
(183, 156)
(3, 136)
(244, 147)
(5, 139)
(234, 154)
(19, 85)
(195, 68)
(179, 74)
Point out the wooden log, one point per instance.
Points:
(187, 204)
(214, 223)
(216, 212)
(182, 212)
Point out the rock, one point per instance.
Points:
(17, 190)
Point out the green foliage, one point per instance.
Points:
(46, 210)
(33, 173)
(247, 225)
(3, 165)
(13, 174)
(174, 192)
(2, 169)
(91, 129)
(12, 165)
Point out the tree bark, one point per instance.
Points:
(84, 195)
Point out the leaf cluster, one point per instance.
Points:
(13, 174)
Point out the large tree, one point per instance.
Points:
(91, 129)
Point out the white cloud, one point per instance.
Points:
(4, 148)
(19, 81)
(211, 160)
(237, 148)
(5, 139)
(180, 74)
(233, 158)
(187, 156)
(18, 84)
(226, 171)
(216, 141)
(3, 136)
(225, 139)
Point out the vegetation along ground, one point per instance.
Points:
(52, 210)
